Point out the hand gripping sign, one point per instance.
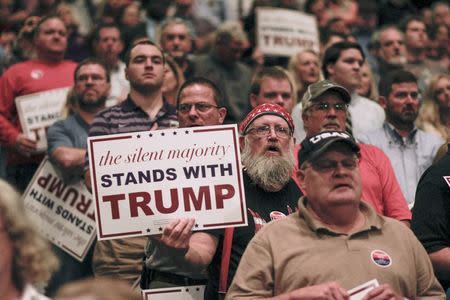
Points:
(143, 180)
(38, 111)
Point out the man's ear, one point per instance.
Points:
(222, 114)
(241, 142)
(126, 73)
(330, 69)
(301, 178)
(382, 101)
(253, 100)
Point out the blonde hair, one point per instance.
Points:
(33, 260)
(300, 86)
(429, 116)
(97, 289)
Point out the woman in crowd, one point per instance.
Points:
(368, 87)
(25, 257)
(173, 79)
(434, 115)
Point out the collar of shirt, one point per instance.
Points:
(393, 133)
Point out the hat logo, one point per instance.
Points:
(380, 258)
(326, 135)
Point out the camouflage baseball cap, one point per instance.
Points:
(317, 89)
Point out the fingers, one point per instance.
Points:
(25, 145)
(337, 292)
(382, 292)
(178, 233)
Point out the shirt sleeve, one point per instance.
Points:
(8, 132)
(57, 137)
(431, 213)
(254, 276)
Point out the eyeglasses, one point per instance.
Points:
(264, 130)
(199, 106)
(328, 165)
(404, 95)
(324, 106)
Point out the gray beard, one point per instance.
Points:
(269, 173)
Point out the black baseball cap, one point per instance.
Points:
(312, 147)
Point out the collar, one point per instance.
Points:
(129, 105)
(393, 133)
(373, 221)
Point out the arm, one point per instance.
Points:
(9, 134)
(441, 263)
(69, 158)
(184, 246)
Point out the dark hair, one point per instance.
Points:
(91, 61)
(393, 77)
(218, 96)
(333, 53)
(95, 34)
(144, 41)
(408, 19)
(276, 72)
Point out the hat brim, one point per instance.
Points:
(353, 146)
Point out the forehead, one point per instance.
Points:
(391, 34)
(443, 81)
(307, 56)
(270, 83)
(197, 93)
(109, 31)
(146, 50)
(352, 52)
(270, 119)
(92, 68)
(404, 86)
(175, 28)
(52, 23)
(415, 24)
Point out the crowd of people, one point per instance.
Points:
(346, 147)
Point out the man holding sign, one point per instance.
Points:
(200, 103)
(267, 145)
(144, 109)
(335, 242)
(48, 71)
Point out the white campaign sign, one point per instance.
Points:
(39, 111)
(285, 32)
(64, 214)
(193, 292)
(143, 180)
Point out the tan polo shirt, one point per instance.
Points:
(299, 251)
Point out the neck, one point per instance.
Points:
(343, 219)
(150, 101)
(88, 116)
(403, 129)
(444, 114)
(50, 57)
(416, 55)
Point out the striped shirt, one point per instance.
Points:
(128, 117)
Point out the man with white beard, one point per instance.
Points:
(267, 155)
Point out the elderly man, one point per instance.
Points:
(266, 145)
(176, 38)
(325, 108)
(200, 103)
(222, 66)
(335, 242)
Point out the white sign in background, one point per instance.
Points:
(143, 180)
(39, 111)
(64, 214)
(193, 292)
(285, 32)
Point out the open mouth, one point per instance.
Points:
(342, 185)
(272, 149)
